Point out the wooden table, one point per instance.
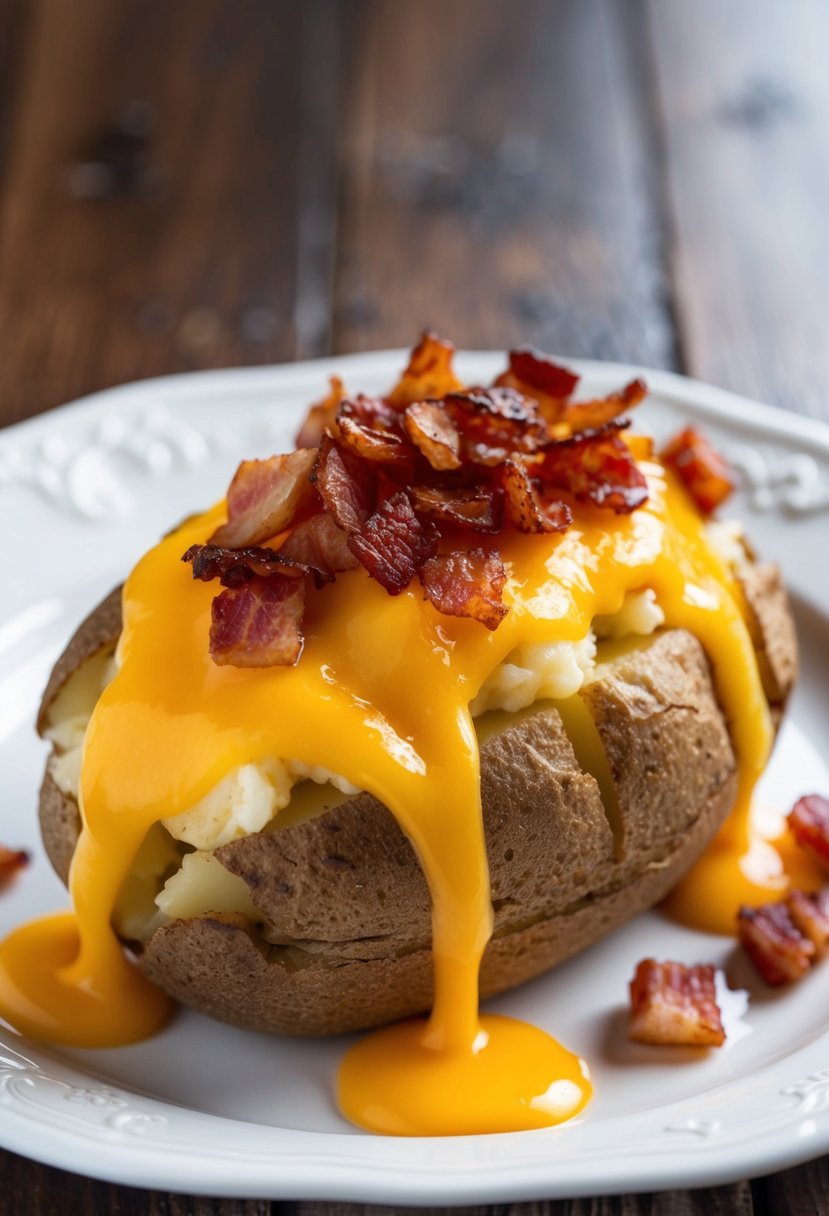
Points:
(222, 182)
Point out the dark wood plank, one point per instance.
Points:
(498, 179)
(158, 171)
(745, 97)
(803, 1191)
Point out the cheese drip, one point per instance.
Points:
(381, 696)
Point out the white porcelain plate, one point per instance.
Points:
(207, 1109)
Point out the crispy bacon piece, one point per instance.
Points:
(704, 473)
(434, 433)
(347, 485)
(12, 861)
(381, 447)
(394, 544)
(264, 497)
(525, 507)
(810, 914)
(467, 584)
(809, 822)
(675, 1005)
(321, 416)
(598, 467)
(232, 567)
(480, 508)
(373, 412)
(532, 371)
(429, 373)
(581, 415)
(320, 545)
(776, 947)
(258, 624)
(495, 422)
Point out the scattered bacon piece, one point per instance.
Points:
(526, 508)
(11, 862)
(434, 433)
(495, 422)
(321, 545)
(259, 623)
(778, 949)
(394, 544)
(346, 483)
(675, 1005)
(429, 373)
(531, 369)
(701, 469)
(467, 584)
(321, 416)
(810, 914)
(264, 497)
(598, 467)
(809, 822)
(479, 508)
(232, 567)
(380, 447)
(581, 415)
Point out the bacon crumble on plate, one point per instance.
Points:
(674, 1005)
(809, 823)
(12, 861)
(706, 476)
(409, 486)
(780, 952)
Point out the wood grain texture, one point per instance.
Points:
(166, 166)
(744, 94)
(497, 180)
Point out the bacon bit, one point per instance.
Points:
(394, 544)
(264, 497)
(12, 861)
(581, 415)
(478, 508)
(532, 369)
(434, 433)
(775, 945)
(259, 624)
(525, 508)
(704, 473)
(597, 467)
(347, 485)
(321, 416)
(382, 447)
(675, 1005)
(467, 584)
(232, 567)
(429, 373)
(320, 545)
(495, 422)
(374, 412)
(810, 914)
(809, 822)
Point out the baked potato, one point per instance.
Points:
(323, 926)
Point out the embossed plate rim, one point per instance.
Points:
(70, 1117)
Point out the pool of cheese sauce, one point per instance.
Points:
(381, 696)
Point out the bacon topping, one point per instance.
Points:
(704, 473)
(809, 822)
(434, 433)
(467, 584)
(526, 508)
(319, 544)
(259, 623)
(479, 508)
(321, 416)
(494, 422)
(775, 945)
(581, 415)
(675, 1005)
(382, 447)
(346, 483)
(810, 914)
(394, 544)
(597, 467)
(11, 862)
(530, 368)
(264, 498)
(232, 567)
(429, 373)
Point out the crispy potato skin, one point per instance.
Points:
(345, 936)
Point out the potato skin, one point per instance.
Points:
(344, 942)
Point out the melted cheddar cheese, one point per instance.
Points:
(381, 695)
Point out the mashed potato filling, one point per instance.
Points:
(176, 875)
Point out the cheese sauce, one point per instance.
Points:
(381, 696)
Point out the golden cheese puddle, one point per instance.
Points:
(381, 696)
